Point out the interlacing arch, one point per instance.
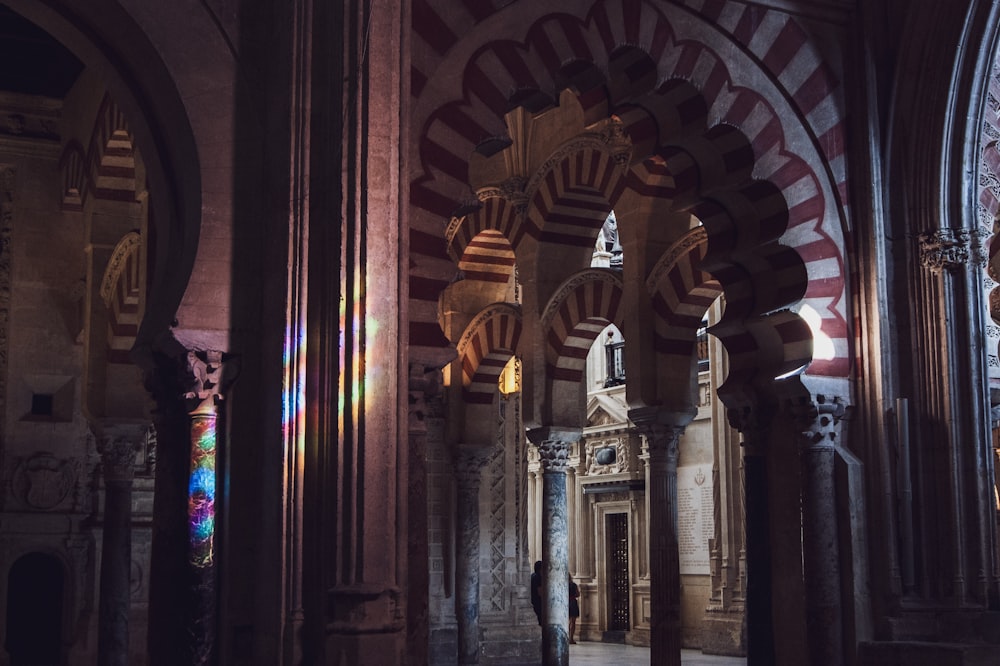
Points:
(484, 349)
(706, 129)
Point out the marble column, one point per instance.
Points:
(554, 454)
(469, 463)
(753, 424)
(117, 445)
(664, 560)
(817, 423)
(202, 406)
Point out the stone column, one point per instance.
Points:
(117, 445)
(817, 423)
(469, 463)
(753, 424)
(202, 406)
(664, 560)
(553, 449)
(424, 406)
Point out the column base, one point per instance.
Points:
(724, 632)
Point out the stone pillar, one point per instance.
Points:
(817, 423)
(117, 445)
(553, 449)
(424, 405)
(664, 560)
(469, 462)
(753, 424)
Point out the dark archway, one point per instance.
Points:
(35, 591)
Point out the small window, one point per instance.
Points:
(41, 404)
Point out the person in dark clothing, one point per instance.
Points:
(574, 609)
(536, 591)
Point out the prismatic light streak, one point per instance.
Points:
(201, 489)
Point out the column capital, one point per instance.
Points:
(754, 423)
(118, 444)
(554, 455)
(204, 377)
(816, 418)
(661, 429)
(950, 249)
(469, 461)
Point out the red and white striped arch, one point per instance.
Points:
(572, 200)
(681, 294)
(580, 309)
(484, 349)
(120, 288)
(772, 83)
(111, 155)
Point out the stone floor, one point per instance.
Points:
(587, 653)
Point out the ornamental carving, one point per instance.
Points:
(951, 249)
(817, 420)
(6, 222)
(681, 247)
(43, 481)
(554, 455)
(126, 247)
(567, 287)
(495, 310)
(118, 456)
(610, 140)
(596, 453)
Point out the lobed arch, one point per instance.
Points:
(715, 125)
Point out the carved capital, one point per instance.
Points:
(754, 423)
(554, 455)
(118, 457)
(469, 463)
(817, 421)
(951, 249)
(204, 374)
(661, 439)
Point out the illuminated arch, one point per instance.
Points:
(484, 349)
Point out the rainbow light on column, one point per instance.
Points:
(201, 490)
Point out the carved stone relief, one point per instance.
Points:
(598, 460)
(42, 482)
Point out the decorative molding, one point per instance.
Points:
(609, 138)
(668, 260)
(7, 182)
(129, 244)
(571, 284)
(817, 420)
(951, 249)
(495, 310)
(118, 454)
(42, 482)
(554, 456)
(497, 487)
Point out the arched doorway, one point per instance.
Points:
(35, 593)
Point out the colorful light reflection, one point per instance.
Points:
(201, 490)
